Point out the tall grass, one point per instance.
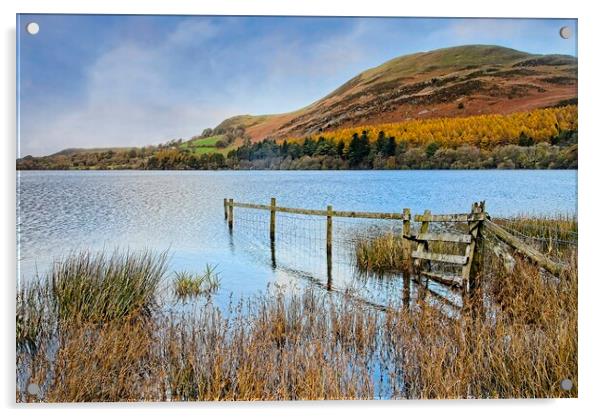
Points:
(32, 312)
(523, 348)
(380, 255)
(554, 235)
(100, 288)
(274, 347)
(556, 227)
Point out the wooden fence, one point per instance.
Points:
(419, 261)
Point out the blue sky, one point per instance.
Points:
(94, 81)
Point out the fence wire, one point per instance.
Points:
(300, 249)
(556, 244)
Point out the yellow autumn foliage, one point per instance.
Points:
(484, 131)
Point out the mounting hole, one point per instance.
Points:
(32, 28)
(565, 32)
(566, 384)
(33, 389)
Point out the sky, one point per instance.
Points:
(116, 80)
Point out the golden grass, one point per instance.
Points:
(553, 235)
(380, 255)
(523, 348)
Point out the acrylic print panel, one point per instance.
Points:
(295, 208)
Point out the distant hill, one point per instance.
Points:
(450, 82)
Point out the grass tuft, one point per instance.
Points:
(188, 284)
(100, 288)
(380, 255)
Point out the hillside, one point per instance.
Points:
(487, 105)
(459, 81)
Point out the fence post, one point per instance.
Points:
(474, 280)
(329, 246)
(422, 245)
(230, 213)
(273, 220)
(225, 208)
(406, 248)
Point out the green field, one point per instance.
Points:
(201, 146)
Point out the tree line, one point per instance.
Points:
(173, 158)
(484, 131)
(386, 152)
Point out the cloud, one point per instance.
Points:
(129, 99)
(192, 31)
(467, 30)
(529, 35)
(138, 93)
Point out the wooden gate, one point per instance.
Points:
(466, 274)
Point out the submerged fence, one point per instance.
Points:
(420, 234)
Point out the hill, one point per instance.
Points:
(451, 82)
(469, 107)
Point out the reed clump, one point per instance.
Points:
(523, 348)
(32, 313)
(273, 347)
(380, 255)
(188, 284)
(554, 235)
(556, 227)
(101, 288)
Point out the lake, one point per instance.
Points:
(182, 211)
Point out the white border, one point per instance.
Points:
(590, 153)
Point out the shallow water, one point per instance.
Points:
(182, 212)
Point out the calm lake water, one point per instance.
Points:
(183, 212)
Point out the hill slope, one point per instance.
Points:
(458, 81)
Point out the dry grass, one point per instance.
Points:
(555, 227)
(555, 235)
(274, 347)
(305, 345)
(521, 349)
(380, 255)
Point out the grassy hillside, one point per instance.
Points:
(210, 144)
(459, 81)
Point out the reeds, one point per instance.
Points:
(380, 255)
(188, 284)
(557, 227)
(113, 342)
(523, 348)
(100, 288)
(273, 347)
(554, 235)
(32, 310)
